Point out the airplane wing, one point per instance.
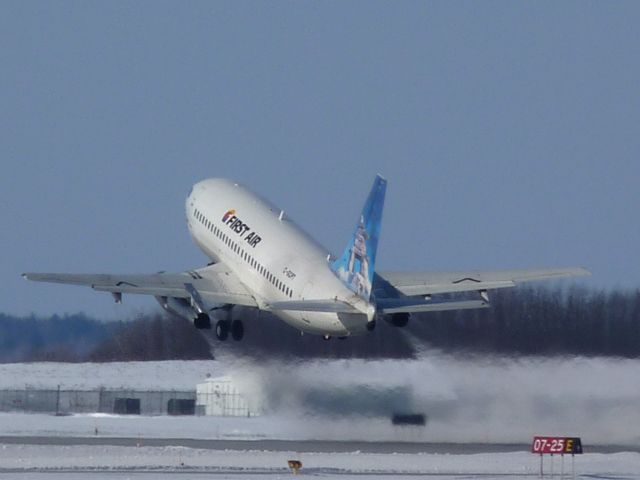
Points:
(431, 283)
(214, 284)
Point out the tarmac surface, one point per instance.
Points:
(302, 446)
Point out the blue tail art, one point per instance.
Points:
(356, 266)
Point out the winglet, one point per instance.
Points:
(356, 266)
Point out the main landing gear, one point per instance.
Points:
(224, 327)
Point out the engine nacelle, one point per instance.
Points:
(182, 308)
(202, 322)
(178, 306)
(398, 319)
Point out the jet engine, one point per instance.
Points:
(182, 308)
(398, 319)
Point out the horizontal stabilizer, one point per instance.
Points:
(330, 306)
(408, 305)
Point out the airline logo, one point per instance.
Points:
(226, 216)
(240, 228)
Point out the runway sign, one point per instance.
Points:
(557, 445)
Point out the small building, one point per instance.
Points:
(221, 397)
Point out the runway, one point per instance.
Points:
(302, 446)
(320, 446)
(98, 458)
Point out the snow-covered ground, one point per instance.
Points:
(492, 400)
(177, 461)
(171, 375)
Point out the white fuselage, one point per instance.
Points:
(273, 258)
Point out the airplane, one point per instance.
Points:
(261, 259)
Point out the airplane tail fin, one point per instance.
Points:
(356, 266)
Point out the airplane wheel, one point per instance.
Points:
(222, 330)
(237, 330)
(371, 326)
(327, 337)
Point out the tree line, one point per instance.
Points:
(78, 338)
(523, 321)
(542, 321)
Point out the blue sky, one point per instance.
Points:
(509, 132)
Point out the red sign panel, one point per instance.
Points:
(557, 445)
